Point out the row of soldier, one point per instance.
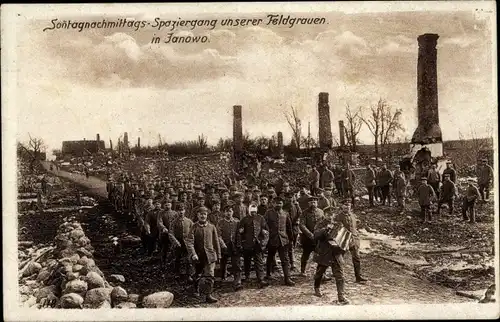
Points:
(201, 225)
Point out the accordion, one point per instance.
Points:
(342, 239)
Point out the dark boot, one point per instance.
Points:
(263, 284)
(317, 292)
(357, 273)
(341, 292)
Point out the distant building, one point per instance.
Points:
(82, 147)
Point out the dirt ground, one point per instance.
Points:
(390, 283)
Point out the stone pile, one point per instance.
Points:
(66, 276)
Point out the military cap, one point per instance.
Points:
(423, 178)
(197, 187)
(222, 188)
(470, 180)
(181, 205)
(289, 194)
(238, 194)
(202, 209)
(278, 199)
(256, 189)
(312, 198)
(329, 187)
(485, 160)
(228, 205)
(446, 175)
(320, 190)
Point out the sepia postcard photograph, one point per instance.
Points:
(250, 161)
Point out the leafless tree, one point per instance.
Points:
(296, 127)
(353, 126)
(32, 150)
(202, 143)
(383, 123)
(472, 146)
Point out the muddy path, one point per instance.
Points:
(390, 283)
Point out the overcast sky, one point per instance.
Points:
(72, 85)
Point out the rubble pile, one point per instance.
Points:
(65, 275)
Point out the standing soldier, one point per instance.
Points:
(280, 234)
(253, 237)
(370, 183)
(215, 214)
(451, 172)
(227, 229)
(314, 180)
(204, 249)
(310, 217)
(471, 196)
(239, 209)
(323, 202)
(263, 206)
(337, 179)
(327, 177)
(349, 220)
(348, 179)
(425, 196)
(304, 199)
(151, 228)
(400, 187)
(448, 194)
(484, 179)
(329, 196)
(166, 220)
(385, 180)
(182, 226)
(292, 208)
(433, 179)
(327, 254)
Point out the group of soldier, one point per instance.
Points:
(203, 224)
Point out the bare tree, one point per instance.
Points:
(202, 143)
(296, 126)
(383, 123)
(353, 126)
(32, 150)
(472, 146)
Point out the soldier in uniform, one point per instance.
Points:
(293, 209)
(151, 228)
(349, 220)
(327, 177)
(328, 255)
(227, 229)
(253, 236)
(337, 179)
(310, 217)
(447, 195)
(425, 196)
(484, 179)
(314, 180)
(303, 199)
(263, 206)
(204, 250)
(280, 234)
(471, 196)
(433, 179)
(166, 220)
(239, 209)
(348, 179)
(450, 172)
(385, 179)
(370, 183)
(215, 214)
(400, 187)
(323, 202)
(182, 226)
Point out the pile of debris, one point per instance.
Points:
(66, 276)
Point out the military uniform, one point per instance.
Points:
(253, 236)
(166, 219)
(228, 231)
(310, 217)
(348, 179)
(425, 193)
(280, 233)
(385, 179)
(181, 227)
(484, 179)
(370, 184)
(295, 213)
(400, 187)
(469, 201)
(203, 242)
(447, 195)
(349, 221)
(328, 256)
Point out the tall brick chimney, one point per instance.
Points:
(237, 129)
(325, 128)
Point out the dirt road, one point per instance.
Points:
(389, 283)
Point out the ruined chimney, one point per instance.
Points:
(280, 143)
(125, 140)
(237, 128)
(139, 142)
(111, 146)
(428, 131)
(325, 128)
(342, 133)
(98, 141)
